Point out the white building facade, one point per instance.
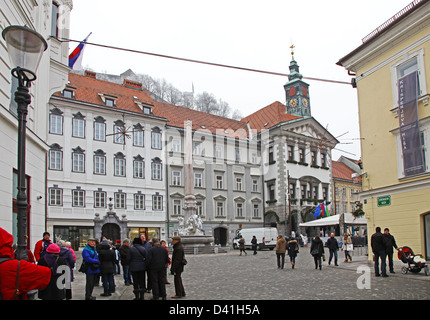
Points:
(51, 20)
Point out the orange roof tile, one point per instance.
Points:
(341, 171)
(200, 120)
(269, 116)
(87, 89)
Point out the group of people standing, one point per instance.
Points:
(382, 247)
(38, 274)
(144, 264)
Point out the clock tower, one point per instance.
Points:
(297, 91)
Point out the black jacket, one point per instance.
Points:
(157, 258)
(389, 243)
(123, 251)
(332, 244)
(177, 258)
(378, 242)
(107, 260)
(136, 258)
(317, 244)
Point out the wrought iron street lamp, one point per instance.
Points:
(25, 48)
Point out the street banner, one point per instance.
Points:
(410, 137)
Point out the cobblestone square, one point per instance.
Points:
(228, 276)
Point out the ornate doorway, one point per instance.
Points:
(111, 231)
(220, 236)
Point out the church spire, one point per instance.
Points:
(297, 91)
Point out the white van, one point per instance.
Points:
(266, 238)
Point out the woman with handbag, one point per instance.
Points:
(92, 265)
(317, 251)
(347, 246)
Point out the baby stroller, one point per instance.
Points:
(415, 262)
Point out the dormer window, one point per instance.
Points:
(145, 108)
(108, 100)
(68, 94)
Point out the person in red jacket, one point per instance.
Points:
(31, 276)
(41, 245)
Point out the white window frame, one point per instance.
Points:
(157, 202)
(176, 178)
(238, 181)
(177, 206)
(55, 160)
(55, 197)
(156, 140)
(100, 199)
(120, 200)
(139, 201)
(219, 208)
(78, 162)
(138, 138)
(239, 209)
(56, 124)
(99, 164)
(78, 128)
(78, 198)
(139, 169)
(198, 179)
(156, 171)
(176, 145)
(119, 167)
(99, 131)
(219, 183)
(419, 55)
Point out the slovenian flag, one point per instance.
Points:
(76, 55)
(321, 210)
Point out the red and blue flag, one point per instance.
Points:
(77, 53)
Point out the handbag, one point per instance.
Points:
(83, 268)
(349, 247)
(314, 252)
(184, 261)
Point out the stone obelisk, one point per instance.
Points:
(191, 226)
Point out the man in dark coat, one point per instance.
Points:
(107, 268)
(333, 247)
(378, 245)
(123, 251)
(390, 242)
(177, 267)
(156, 261)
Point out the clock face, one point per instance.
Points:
(293, 102)
(305, 102)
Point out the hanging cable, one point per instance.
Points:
(200, 62)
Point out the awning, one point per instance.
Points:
(350, 220)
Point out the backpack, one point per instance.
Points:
(17, 276)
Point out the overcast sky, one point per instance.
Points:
(243, 33)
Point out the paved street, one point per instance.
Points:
(229, 276)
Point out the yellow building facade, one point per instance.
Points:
(394, 195)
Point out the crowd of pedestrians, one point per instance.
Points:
(48, 274)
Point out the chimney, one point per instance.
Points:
(132, 84)
(90, 74)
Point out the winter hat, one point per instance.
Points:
(53, 248)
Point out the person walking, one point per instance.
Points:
(117, 256)
(52, 261)
(317, 251)
(123, 251)
(91, 259)
(41, 245)
(347, 242)
(156, 261)
(136, 259)
(177, 267)
(390, 242)
(31, 276)
(378, 244)
(254, 244)
(242, 245)
(107, 267)
(66, 254)
(293, 250)
(333, 247)
(280, 249)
